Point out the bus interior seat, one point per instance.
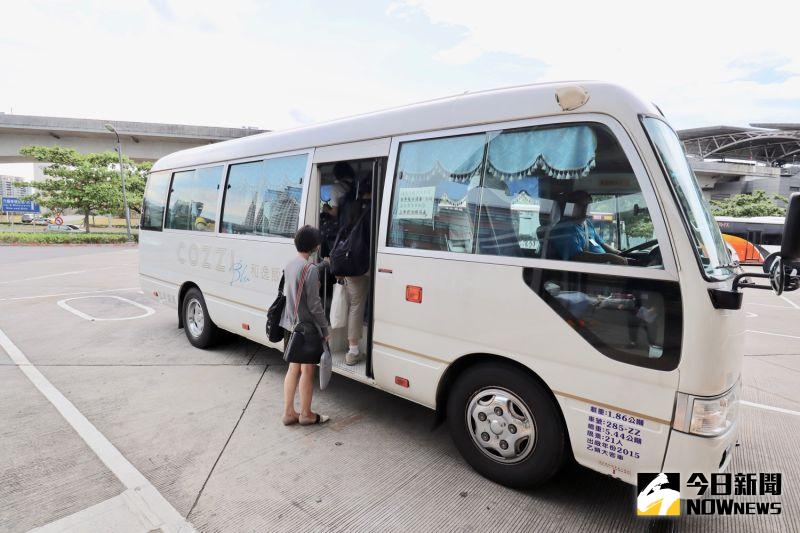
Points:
(495, 231)
(422, 236)
(455, 226)
(553, 216)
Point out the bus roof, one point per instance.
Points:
(497, 105)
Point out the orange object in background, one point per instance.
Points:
(746, 250)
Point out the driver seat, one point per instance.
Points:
(553, 216)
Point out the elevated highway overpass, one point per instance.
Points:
(141, 141)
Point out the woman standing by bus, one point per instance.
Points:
(308, 308)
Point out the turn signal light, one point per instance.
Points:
(414, 294)
(403, 382)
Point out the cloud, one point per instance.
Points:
(699, 62)
(279, 64)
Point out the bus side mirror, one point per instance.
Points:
(790, 245)
(780, 267)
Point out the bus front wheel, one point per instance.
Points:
(506, 425)
(200, 330)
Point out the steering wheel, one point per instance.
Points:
(653, 257)
(638, 247)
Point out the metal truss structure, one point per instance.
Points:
(775, 147)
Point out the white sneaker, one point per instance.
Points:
(352, 358)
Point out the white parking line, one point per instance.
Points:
(787, 300)
(771, 305)
(63, 305)
(773, 334)
(149, 502)
(63, 274)
(16, 298)
(770, 408)
(120, 514)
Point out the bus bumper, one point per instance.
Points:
(688, 454)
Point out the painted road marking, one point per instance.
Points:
(773, 334)
(63, 304)
(16, 298)
(64, 274)
(772, 305)
(750, 314)
(149, 502)
(121, 514)
(770, 408)
(787, 300)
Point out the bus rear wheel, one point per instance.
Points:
(197, 324)
(506, 425)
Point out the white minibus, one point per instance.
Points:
(544, 273)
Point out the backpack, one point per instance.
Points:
(351, 253)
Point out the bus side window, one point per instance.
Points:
(193, 199)
(155, 199)
(434, 180)
(633, 320)
(263, 197)
(564, 192)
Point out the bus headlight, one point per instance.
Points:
(707, 416)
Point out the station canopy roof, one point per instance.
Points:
(775, 144)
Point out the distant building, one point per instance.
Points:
(730, 160)
(9, 190)
(284, 213)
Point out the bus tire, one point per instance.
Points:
(197, 324)
(506, 425)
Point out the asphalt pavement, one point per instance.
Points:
(110, 420)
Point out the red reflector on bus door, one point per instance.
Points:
(403, 382)
(245, 327)
(414, 294)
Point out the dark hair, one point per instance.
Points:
(579, 197)
(306, 239)
(343, 170)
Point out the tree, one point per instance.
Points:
(88, 183)
(756, 204)
(135, 181)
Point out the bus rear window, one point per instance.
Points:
(155, 198)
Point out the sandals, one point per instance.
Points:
(290, 420)
(318, 419)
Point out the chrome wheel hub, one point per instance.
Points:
(501, 425)
(195, 319)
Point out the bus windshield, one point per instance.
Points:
(704, 231)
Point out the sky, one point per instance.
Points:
(277, 65)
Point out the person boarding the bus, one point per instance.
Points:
(309, 309)
(330, 219)
(574, 237)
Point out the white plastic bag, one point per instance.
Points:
(339, 307)
(325, 367)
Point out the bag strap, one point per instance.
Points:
(299, 294)
(280, 285)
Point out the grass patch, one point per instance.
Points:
(62, 238)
